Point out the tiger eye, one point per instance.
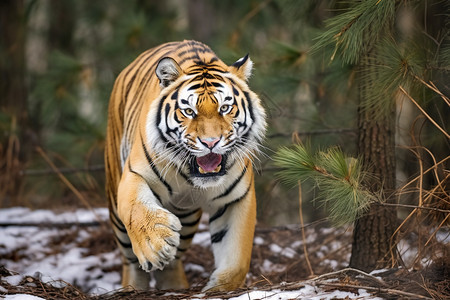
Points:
(224, 108)
(189, 111)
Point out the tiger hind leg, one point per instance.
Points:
(171, 277)
(133, 277)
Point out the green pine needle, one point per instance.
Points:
(352, 32)
(297, 163)
(339, 179)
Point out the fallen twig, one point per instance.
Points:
(349, 270)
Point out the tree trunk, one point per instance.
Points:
(373, 243)
(13, 105)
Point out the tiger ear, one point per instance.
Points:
(167, 71)
(242, 67)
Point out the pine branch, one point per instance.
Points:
(353, 32)
(339, 179)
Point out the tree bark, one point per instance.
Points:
(374, 245)
(13, 91)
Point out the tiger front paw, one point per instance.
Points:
(154, 237)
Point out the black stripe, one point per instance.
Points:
(134, 68)
(175, 116)
(158, 119)
(193, 223)
(180, 216)
(185, 59)
(116, 225)
(187, 236)
(219, 213)
(195, 49)
(175, 94)
(185, 177)
(155, 170)
(218, 77)
(236, 115)
(250, 106)
(194, 87)
(218, 236)
(123, 244)
(158, 114)
(210, 68)
(222, 210)
(235, 91)
(116, 222)
(217, 84)
(175, 131)
(130, 261)
(233, 185)
(153, 192)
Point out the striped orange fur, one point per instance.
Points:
(183, 129)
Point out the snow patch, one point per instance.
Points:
(258, 241)
(22, 297)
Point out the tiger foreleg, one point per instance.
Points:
(153, 230)
(232, 241)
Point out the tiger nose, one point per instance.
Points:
(210, 142)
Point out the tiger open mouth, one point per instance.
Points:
(212, 164)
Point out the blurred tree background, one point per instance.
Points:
(59, 60)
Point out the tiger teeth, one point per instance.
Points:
(216, 170)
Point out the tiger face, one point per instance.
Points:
(206, 119)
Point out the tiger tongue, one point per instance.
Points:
(209, 162)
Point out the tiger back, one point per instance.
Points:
(183, 130)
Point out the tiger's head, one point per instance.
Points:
(206, 118)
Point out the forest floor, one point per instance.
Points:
(72, 255)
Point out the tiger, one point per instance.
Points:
(183, 132)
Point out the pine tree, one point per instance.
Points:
(362, 37)
(355, 35)
(374, 243)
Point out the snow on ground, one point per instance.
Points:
(22, 297)
(65, 255)
(309, 292)
(32, 255)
